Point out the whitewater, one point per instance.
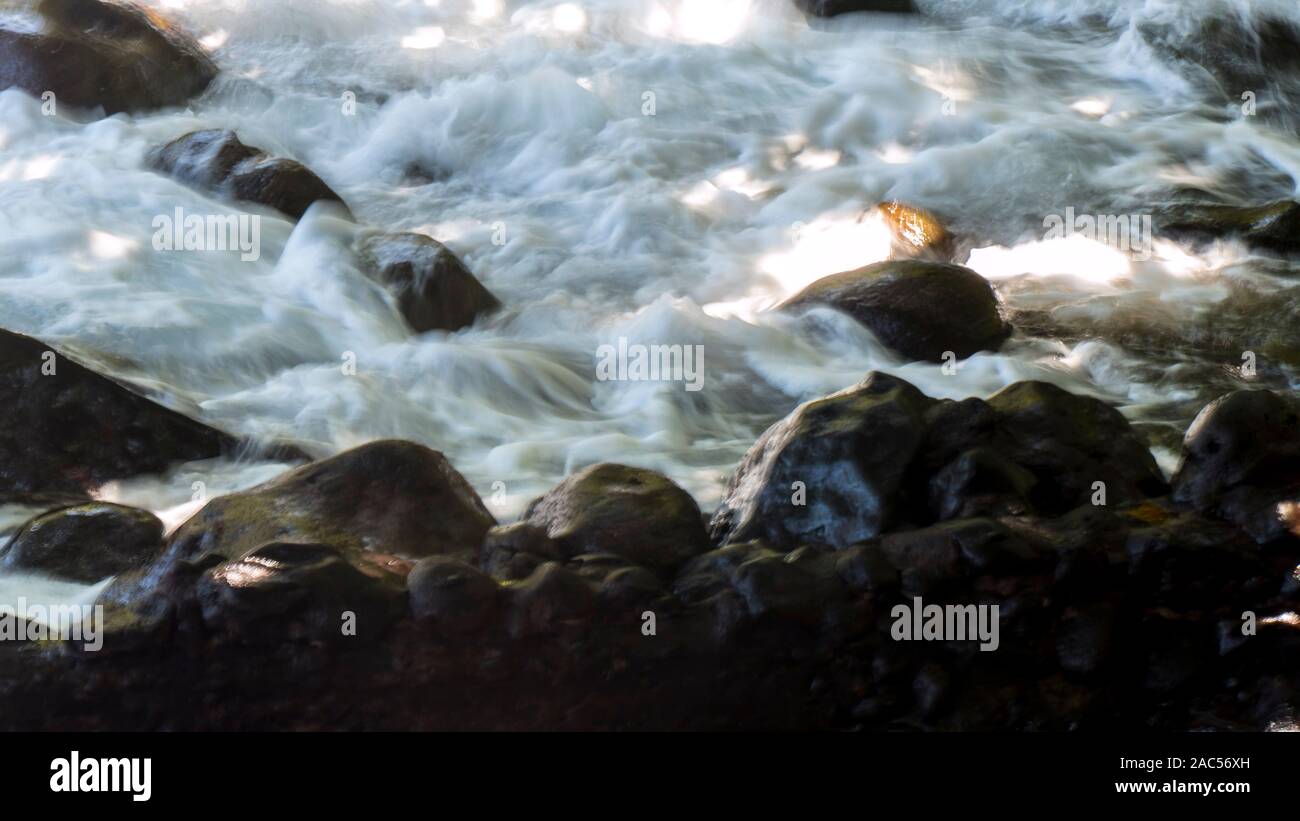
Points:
(646, 170)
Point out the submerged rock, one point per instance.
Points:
(85, 543)
(1241, 461)
(1239, 52)
(215, 160)
(65, 430)
(922, 310)
(636, 514)
(1274, 226)
(433, 288)
(373, 503)
(104, 53)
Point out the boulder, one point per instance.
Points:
(636, 514)
(882, 455)
(831, 8)
(102, 53)
(1238, 52)
(215, 160)
(85, 543)
(433, 288)
(1241, 462)
(293, 591)
(456, 598)
(65, 430)
(1069, 442)
(550, 599)
(829, 472)
(375, 505)
(921, 310)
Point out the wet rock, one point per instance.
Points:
(112, 55)
(1070, 442)
(828, 472)
(931, 688)
(433, 288)
(514, 551)
(285, 591)
(916, 232)
(550, 599)
(1086, 638)
(831, 8)
(65, 430)
(633, 513)
(866, 567)
(774, 587)
(85, 543)
(215, 160)
(1238, 52)
(922, 310)
(981, 481)
(941, 557)
(1274, 226)
(631, 587)
(458, 599)
(373, 503)
(1241, 462)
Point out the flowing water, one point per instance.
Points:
(654, 170)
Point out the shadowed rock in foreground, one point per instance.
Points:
(103, 53)
(65, 430)
(296, 605)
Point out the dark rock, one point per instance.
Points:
(65, 430)
(215, 160)
(931, 689)
(86, 543)
(433, 288)
(548, 600)
(1086, 638)
(774, 587)
(631, 587)
(1070, 442)
(457, 598)
(920, 309)
(284, 591)
(981, 481)
(1241, 462)
(514, 551)
(637, 514)
(1274, 226)
(848, 452)
(831, 8)
(104, 53)
(373, 503)
(1238, 52)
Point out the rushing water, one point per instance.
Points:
(657, 170)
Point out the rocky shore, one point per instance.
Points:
(375, 590)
